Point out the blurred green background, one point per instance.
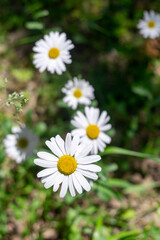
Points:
(124, 69)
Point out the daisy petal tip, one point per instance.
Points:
(47, 142)
(99, 169)
(62, 195)
(38, 175)
(38, 154)
(46, 185)
(73, 195)
(35, 161)
(98, 157)
(68, 135)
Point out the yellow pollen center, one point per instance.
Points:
(77, 93)
(92, 131)
(151, 24)
(67, 164)
(22, 143)
(53, 53)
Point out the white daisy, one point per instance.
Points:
(91, 127)
(68, 165)
(149, 26)
(78, 92)
(52, 53)
(21, 143)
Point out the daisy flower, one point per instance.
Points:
(78, 92)
(90, 127)
(149, 26)
(21, 143)
(68, 165)
(52, 53)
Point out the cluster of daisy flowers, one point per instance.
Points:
(70, 164)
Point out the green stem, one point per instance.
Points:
(69, 76)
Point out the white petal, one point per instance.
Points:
(74, 144)
(60, 143)
(76, 184)
(83, 119)
(81, 132)
(88, 159)
(71, 187)
(64, 187)
(105, 127)
(55, 187)
(88, 174)
(46, 172)
(53, 147)
(95, 147)
(44, 163)
(68, 143)
(76, 124)
(59, 180)
(95, 115)
(51, 181)
(102, 118)
(82, 152)
(47, 156)
(105, 137)
(101, 145)
(89, 114)
(47, 178)
(90, 167)
(84, 183)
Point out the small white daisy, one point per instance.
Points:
(91, 127)
(149, 26)
(78, 92)
(52, 53)
(68, 165)
(21, 144)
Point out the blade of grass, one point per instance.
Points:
(121, 151)
(123, 235)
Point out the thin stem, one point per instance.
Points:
(69, 75)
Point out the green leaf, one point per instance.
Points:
(34, 25)
(116, 182)
(128, 214)
(40, 14)
(125, 235)
(121, 151)
(141, 91)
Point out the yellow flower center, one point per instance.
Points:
(67, 164)
(53, 53)
(77, 93)
(22, 143)
(92, 131)
(151, 24)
